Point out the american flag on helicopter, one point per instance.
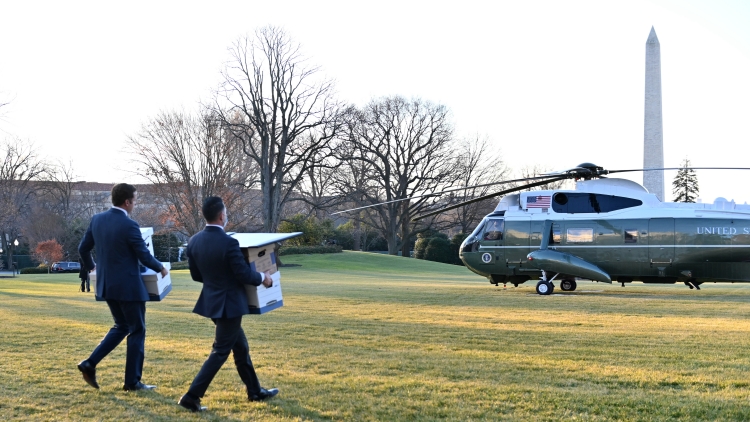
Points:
(538, 201)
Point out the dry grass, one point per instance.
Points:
(370, 337)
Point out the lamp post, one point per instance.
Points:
(15, 243)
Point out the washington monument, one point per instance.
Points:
(653, 133)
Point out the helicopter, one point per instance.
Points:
(605, 230)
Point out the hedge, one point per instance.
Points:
(302, 250)
(182, 265)
(33, 270)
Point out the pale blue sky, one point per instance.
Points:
(553, 83)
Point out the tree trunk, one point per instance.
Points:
(357, 236)
(405, 232)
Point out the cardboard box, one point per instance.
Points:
(263, 299)
(147, 233)
(156, 286)
(261, 259)
(258, 249)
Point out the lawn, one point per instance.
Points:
(373, 337)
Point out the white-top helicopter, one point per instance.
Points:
(606, 230)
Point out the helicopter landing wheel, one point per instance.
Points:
(568, 285)
(544, 288)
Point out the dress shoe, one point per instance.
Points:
(137, 387)
(263, 394)
(191, 404)
(89, 373)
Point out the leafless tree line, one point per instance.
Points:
(273, 141)
(38, 200)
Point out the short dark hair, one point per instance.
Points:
(122, 192)
(212, 208)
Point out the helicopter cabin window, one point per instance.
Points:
(580, 235)
(631, 236)
(494, 230)
(579, 203)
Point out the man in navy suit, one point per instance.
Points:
(215, 259)
(119, 247)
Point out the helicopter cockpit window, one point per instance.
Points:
(580, 203)
(494, 230)
(631, 236)
(471, 243)
(478, 230)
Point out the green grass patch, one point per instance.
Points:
(374, 337)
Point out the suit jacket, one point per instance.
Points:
(119, 246)
(215, 259)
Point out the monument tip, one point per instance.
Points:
(652, 39)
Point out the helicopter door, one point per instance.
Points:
(661, 243)
(493, 239)
(517, 241)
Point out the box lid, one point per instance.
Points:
(256, 240)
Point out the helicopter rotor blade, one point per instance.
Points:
(680, 168)
(543, 177)
(492, 195)
(582, 171)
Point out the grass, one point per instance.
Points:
(373, 337)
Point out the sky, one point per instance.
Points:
(550, 83)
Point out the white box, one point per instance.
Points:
(262, 299)
(146, 234)
(157, 287)
(258, 249)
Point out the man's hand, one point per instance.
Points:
(164, 272)
(267, 281)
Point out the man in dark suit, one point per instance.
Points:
(215, 259)
(119, 247)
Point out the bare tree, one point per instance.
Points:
(407, 148)
(20, 168)
(188, 158)
(536, 170)
(58, 189)
(477, 166)
(317, 187)
(61, 209)
(281, 112)
(351, 180)
(42, 224)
